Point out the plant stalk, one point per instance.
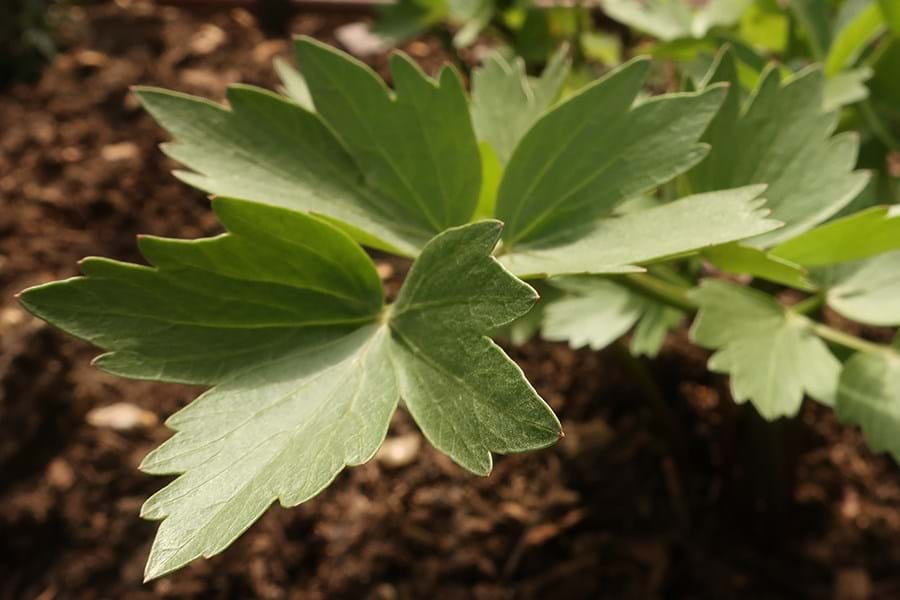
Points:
(849, 341)
(677, 297)
(674, 295)
(809, 305)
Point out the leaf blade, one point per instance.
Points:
(618, 245)
(416, 147)
(466, 395)
(772, 355)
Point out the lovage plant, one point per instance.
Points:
(283, 315)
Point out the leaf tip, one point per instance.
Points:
(154, 569)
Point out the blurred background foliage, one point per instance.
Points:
(857, 43)
(28, 36)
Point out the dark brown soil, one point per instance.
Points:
(678, 501)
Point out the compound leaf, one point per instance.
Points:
(210, 306)
(466, 395)
(505, 104)
(772, 354)
(855, 237)
(675, 19)
(853, 38)
(283, 316)
(867, 233)
(281, 430)
(416, 148)
(595, 150)
(595, 312)
(865, 291)
(784, 139)
(620, 243)
(405, 19)
(269, 149)
(293, 84)
(741, 259)
(869, 396)
(846, 88)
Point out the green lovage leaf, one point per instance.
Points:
(846, 88)
(596, 311)
(865, 291)
(505, 103)
(814, 18)
(620, 243)
(466, 395)
(395, 168)
(783, 138)
(860, 31)
(405, 19)
(867, 233)
(283, 316)
(208, 307)
(855, 237)
(771, 354)
(596, 150)
(742, 259)
(280, 430)
(675, 19)
(293, 84)
(869, 396)
(416, 147)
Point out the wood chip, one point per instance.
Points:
(399, 451)
(121, 416)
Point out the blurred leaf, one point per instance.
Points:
(294, 84)
(471, 17)
(815, 19)
(865, 291)
(850, 41)
(595, 312)
(605, 48)
(405, 19)
(505, 103)
(869, 396)
(491, 171)
(855, 237)
(890, 10)
(845, 88)
(772, 355)
(745, 260)
(765, 25)
(673, 19)
(783, 138)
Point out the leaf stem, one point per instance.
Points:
(809, 305)
(847, 340)
(674, 295)
(677, 297)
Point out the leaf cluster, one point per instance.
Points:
(617, 203)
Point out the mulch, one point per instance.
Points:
(654, 492)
